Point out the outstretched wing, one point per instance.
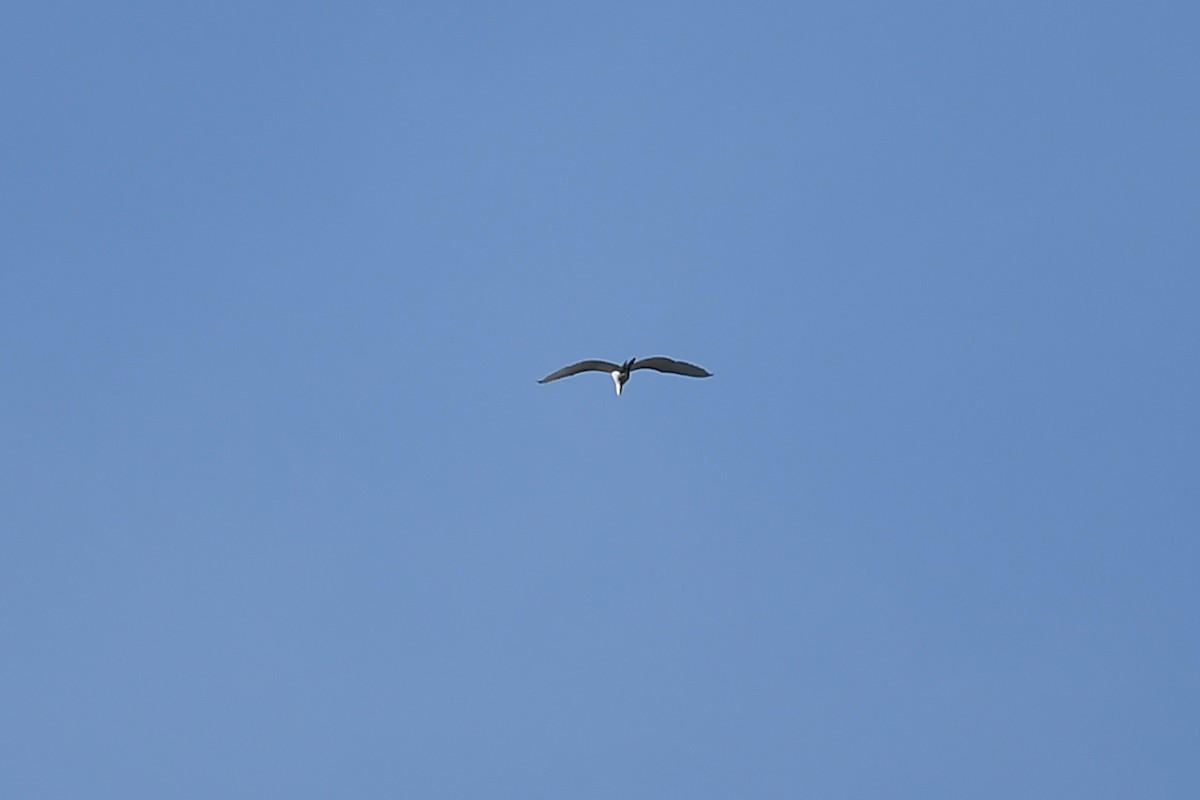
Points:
(664, 364)
(591, 365)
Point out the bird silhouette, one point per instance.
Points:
(620, 372)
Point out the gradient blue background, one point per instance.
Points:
(285, 515)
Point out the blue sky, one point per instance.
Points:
(285, 514)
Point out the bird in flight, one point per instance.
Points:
(620, 372)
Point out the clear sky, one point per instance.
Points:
(285, 514)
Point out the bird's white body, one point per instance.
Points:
(616, 375)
